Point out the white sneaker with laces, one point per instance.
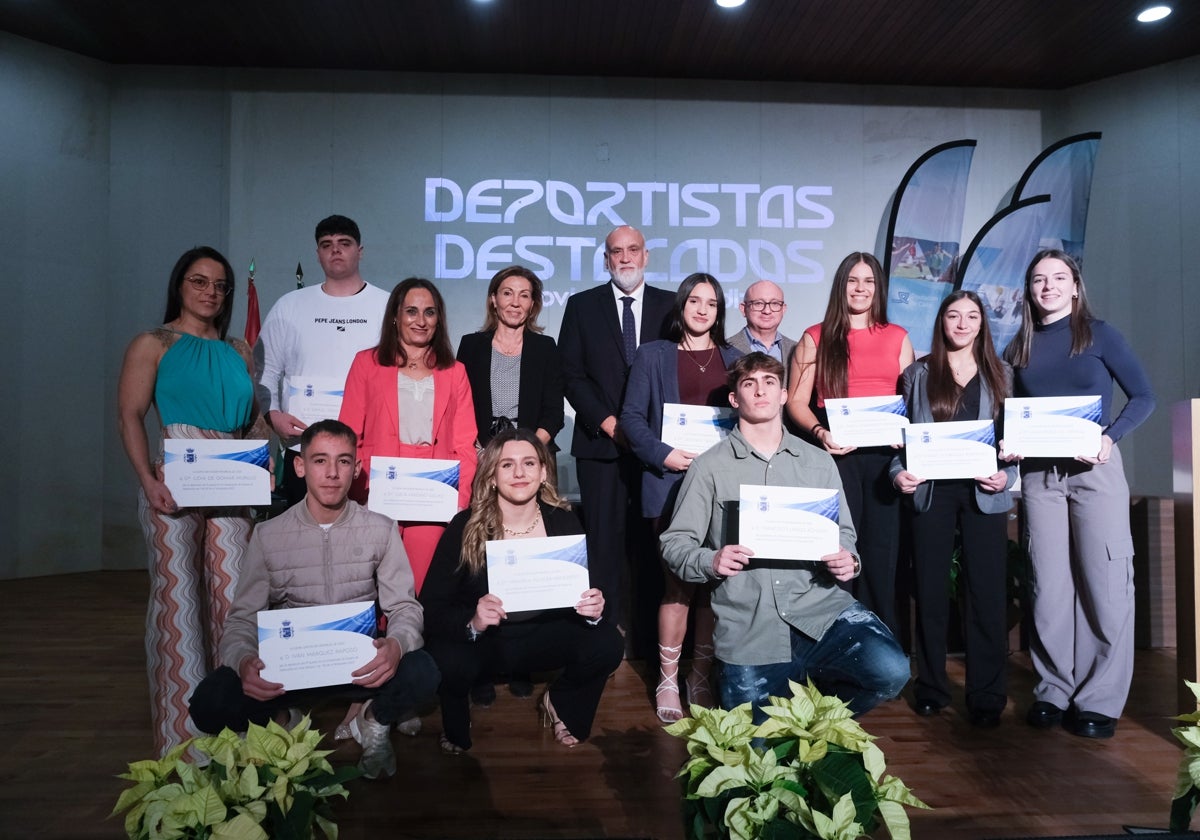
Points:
(377, 759)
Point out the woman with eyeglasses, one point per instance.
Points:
(855, 352)
(201, 385)
(408, 398)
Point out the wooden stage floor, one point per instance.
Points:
(73, 713)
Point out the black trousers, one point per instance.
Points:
(610, 492)
(982, 583)
(586, 654)
(875, 507)
(219, 702)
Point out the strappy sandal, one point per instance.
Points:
(668, 684)
(550, 718)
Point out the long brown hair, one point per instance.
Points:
(485, 521)
(944, 393)
(833, 350)
(390, 352)
(1017, 352)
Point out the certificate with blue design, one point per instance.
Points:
(1052, 427)
(955, 449)
(788, 523)
(867, 421)
(538, 574)
(310, 647)
(414, 489)
(695, 428)
(202, 472)
(313, 398)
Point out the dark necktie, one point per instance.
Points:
(628, 329)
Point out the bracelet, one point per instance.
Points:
(813, 430)
(857, 567)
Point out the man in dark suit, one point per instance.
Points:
(601, 329)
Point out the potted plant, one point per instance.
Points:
(1187, 782)
(808, 771)
(273, 783)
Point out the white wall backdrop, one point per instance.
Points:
(112, 172)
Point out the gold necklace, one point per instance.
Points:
(537, 519)
(703, 367)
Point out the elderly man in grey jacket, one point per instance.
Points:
(324, 550)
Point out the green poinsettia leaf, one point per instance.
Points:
(892, 789)
(744, 817)
(328, 827)
(241, 827)
(896, 819)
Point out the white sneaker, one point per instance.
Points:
(377, 756)
(410, 727)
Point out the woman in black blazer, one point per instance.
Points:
(515, 374)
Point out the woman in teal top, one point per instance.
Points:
(202, 387)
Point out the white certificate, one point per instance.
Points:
(538, 574)
(313, 398)
(201, 472)
(308, 647)
(1052, 427)
(695, 428)
(788, 523)
(867, 421)
(956, 449)
(414, 489)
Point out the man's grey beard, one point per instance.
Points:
(628, 283)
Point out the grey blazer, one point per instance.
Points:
(740, 341)
(912, 387)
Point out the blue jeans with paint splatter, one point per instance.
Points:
(858, 659)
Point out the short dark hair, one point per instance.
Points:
(753, 363)
(175, 296)
(336, 428)
(334, 225)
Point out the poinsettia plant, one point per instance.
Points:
(808, 771)
(273, 783)
(1187, 780)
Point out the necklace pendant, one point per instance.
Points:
(703, 369)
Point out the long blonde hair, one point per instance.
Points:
(485, 522)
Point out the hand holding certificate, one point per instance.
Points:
(867, 421)
(310, 647)
(955, 449)
(1052, 427)
(313, 399)
(414, 489)
(537, 574)
(789, 523)
(695, 428)
(202, 472)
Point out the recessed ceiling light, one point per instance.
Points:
(730, 4)
(1154, 13)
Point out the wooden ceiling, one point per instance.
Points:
(1045, 44)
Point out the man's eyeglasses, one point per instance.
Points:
(201, 284)
(765, 305)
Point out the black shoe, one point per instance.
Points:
(1043, 715)
(520, 686)
(1090, 725)
(483, 695)
(927, 708)
(985, 718)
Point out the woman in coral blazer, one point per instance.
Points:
(409, 398)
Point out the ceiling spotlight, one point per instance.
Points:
(730, 4)
(1153, 13)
